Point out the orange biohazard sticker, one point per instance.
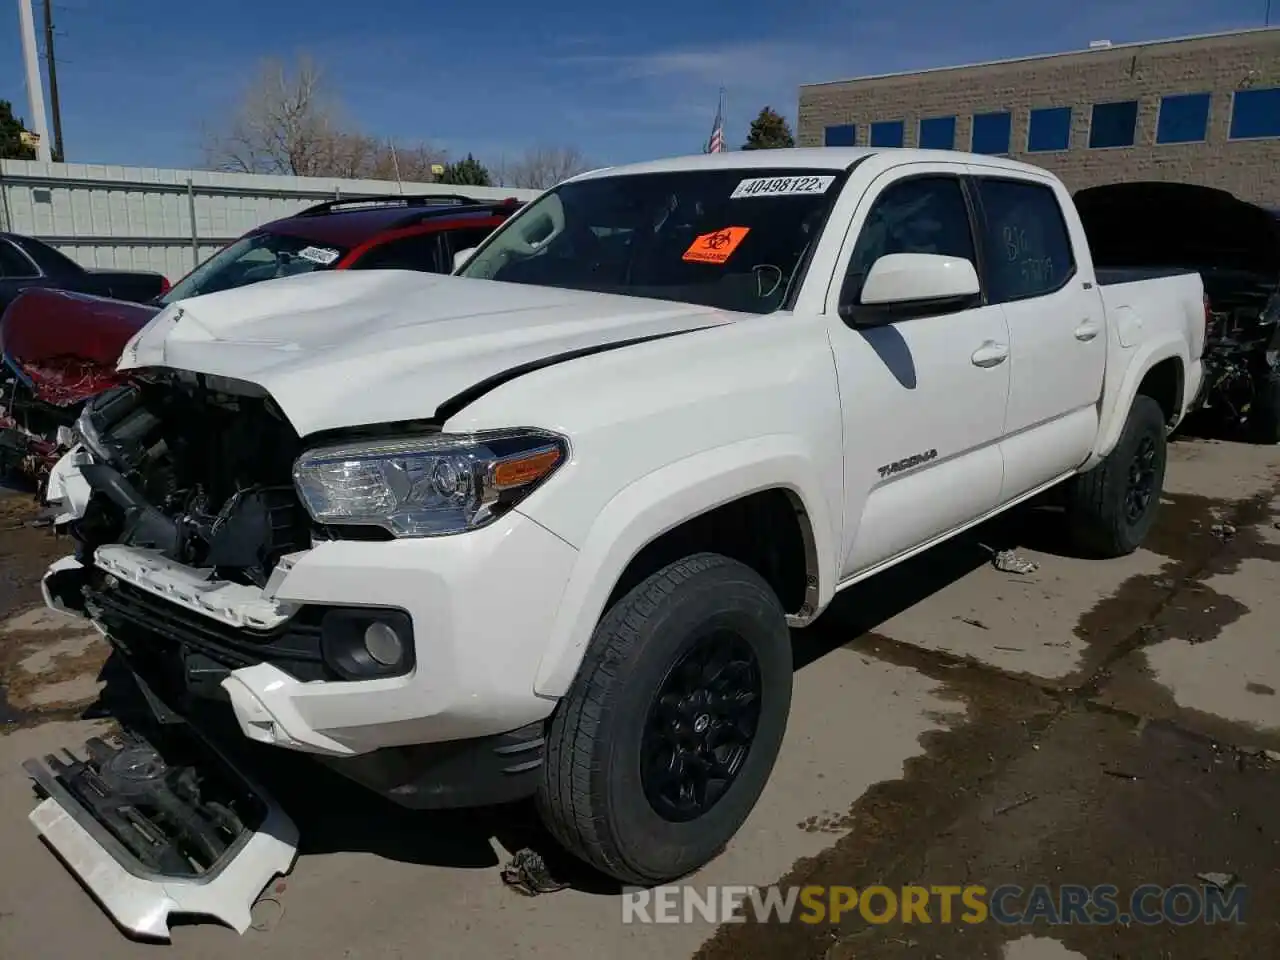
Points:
(717, 246)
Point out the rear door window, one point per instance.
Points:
(1025, 241)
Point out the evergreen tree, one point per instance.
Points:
(466, 173)
(769, 130)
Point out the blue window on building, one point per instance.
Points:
(991, 132)
(1255, 113)
(887, 133)
(1050, 129)
(1114, 124)
(938, 133)
(1184, 118)
(844, 135)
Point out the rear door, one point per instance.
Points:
(1057, 334)
(923, 398)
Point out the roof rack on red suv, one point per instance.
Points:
(395, 200)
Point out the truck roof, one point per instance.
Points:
(804, 158)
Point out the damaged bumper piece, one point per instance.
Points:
(154, 833)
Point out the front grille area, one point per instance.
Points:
(152, 625)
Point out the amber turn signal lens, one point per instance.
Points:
(521, 471)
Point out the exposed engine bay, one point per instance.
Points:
(200, 475)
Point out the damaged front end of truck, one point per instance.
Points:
(168, 475)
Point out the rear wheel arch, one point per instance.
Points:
(1163, 383)
(1159, 373)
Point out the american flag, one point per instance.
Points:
(716, 143)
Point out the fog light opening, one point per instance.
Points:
(383, 644)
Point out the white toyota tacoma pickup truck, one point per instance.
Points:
(543, 527)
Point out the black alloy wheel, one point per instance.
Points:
(1142, 480)
(700, 728)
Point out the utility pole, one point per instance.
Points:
(35, 87)
(53, 80)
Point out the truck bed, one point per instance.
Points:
(1111, 276)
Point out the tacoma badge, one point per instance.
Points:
(915, 460)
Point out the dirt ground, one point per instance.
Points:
(1090, 723)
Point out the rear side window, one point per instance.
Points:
(13, 265)
(920, 215)
(1028, 249)
(420, 252)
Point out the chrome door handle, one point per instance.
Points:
(990, 354)
(1087, 330)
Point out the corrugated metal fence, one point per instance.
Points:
(143, 218)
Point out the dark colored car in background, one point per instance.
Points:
(61, 346)
(27, 263)
(1235, 247)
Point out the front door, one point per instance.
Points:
(923, 398)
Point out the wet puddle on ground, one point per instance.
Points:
(1066, 785)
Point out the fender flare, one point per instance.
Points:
(1145, 360)
(661, 501)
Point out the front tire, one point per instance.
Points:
(1111, 508)
(666, 738)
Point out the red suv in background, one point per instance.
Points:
(382, 233)
(61, 347)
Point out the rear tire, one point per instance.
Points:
(1110, 509)
(620, 783)
(1264, 413)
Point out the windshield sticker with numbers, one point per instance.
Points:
(781, 187)
(321, 255)
(716, 246)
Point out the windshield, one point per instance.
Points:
(258, 256)
(732, 239)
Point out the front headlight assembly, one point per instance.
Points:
(426, 486)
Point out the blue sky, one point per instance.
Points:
(138, 77)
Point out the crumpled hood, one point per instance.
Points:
(353, 347)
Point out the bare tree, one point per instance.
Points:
(541, 167)
(285, 123)
(288, 122)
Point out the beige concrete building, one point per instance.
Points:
(1199, 109)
